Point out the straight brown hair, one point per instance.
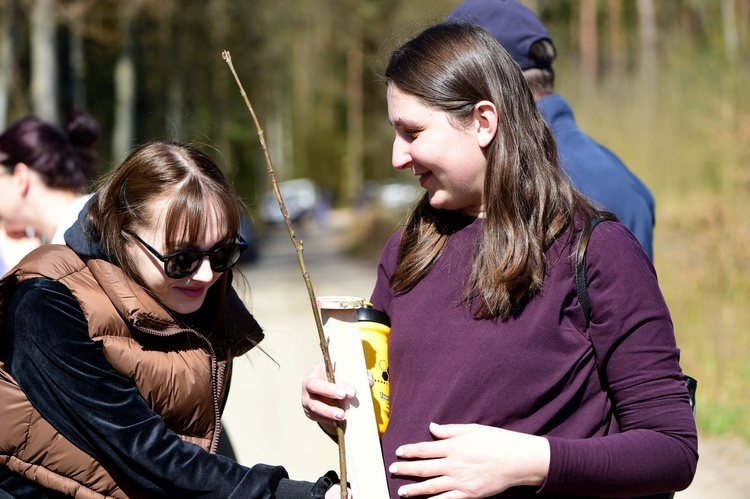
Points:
(190, 180)
(529, 201)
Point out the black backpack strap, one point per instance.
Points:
(583, 298)
(581, 284)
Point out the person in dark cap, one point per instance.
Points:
(595, 170)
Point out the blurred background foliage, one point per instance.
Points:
(663, 84)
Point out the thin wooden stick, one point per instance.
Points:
(300, 258)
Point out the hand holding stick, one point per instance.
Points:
(299, 249)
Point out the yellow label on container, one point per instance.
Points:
(375, 345)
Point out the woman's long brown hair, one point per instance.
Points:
(529, 201)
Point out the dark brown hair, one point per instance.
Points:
(541, 80)
(187, 177)
(65, 159)
(529, 202)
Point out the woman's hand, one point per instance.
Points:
(471, 461)
(320, 398)
(335, 492)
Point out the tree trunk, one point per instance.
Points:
(78, 64)
(355, 114)
(743, 21)
(123, 130)
(647, 29)
(731, 36)
(175, 42)
(648, 69)
(7, 50)
(220, 20)
(616, 42)
(588, 45)
(44, 60)
(303, 98)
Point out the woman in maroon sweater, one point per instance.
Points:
(498, 387)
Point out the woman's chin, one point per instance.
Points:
(438, 201)
(185, 306)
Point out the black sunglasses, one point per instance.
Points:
(182, 263)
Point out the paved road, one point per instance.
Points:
(263, 415)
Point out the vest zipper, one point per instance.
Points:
(217, 379)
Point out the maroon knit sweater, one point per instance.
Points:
(537, 373)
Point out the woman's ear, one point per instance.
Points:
(22, 177)
(485, 114)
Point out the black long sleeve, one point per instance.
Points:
(69, 381)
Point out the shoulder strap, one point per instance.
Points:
(581, 284)
(583, 298)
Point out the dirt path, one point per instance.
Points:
(723, 470)
(263, 416)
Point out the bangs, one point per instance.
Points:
(196, 207)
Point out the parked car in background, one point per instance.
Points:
(300, 197)
(396, 194)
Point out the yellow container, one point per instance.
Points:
(374, 326)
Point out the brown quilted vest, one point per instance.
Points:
(186, 386)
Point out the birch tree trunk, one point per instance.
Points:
(44, 78)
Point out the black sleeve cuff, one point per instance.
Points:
(323, 484)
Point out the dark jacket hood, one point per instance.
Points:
(80, 238)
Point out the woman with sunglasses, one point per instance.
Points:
(116, 349)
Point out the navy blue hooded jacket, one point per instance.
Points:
(599, 174)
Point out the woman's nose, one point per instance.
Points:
(204, 273)
(400, 156)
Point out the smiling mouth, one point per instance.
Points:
(192, 292)
(423, 178)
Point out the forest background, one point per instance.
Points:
(662, 84)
